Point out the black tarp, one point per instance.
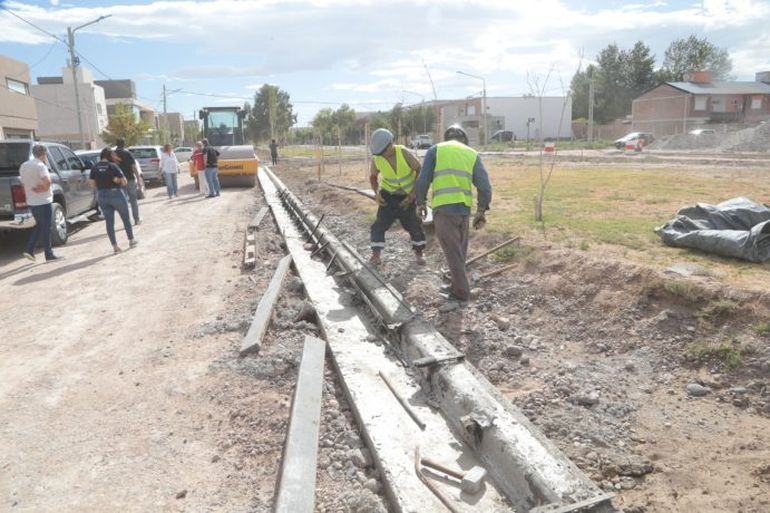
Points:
(737, 228)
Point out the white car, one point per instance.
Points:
(183, 153)
(703, 131)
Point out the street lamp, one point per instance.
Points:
(422, 108)
(483, 102)
(74, 62)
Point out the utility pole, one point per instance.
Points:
(485, 131)
(591, 110)
(73, 64)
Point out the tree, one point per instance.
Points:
(331, 124)
(694, 54)
(272, 114)
(619, 76)
(124, 125)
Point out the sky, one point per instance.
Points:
(369, 54)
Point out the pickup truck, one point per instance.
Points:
(73, 198)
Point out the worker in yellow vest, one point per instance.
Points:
(393, 173)
(451, 169)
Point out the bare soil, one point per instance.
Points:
(599, 353)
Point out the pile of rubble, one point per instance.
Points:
(753, 139)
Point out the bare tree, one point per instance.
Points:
(538, 88)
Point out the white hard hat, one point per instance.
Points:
(381, 138)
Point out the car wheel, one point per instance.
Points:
(59, 232)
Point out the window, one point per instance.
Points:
(756, 102)
(55, 156)
(471, 110)
(17, 86)
(73, 162)
(144, 153)
(717, 105)
(700, 102)
(99, 108)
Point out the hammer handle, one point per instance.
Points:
(438, 466)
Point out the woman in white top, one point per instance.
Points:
(170, 168)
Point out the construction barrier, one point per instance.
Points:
(549, 147)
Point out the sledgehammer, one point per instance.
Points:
(470, 482)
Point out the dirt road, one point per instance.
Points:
(107, 398)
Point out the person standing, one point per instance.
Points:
(273, 151)
(452, 168)
(392, 177)
(199, 164)
(170, 168)
(109, 182)
(130, 169)
(36, 181)
(211, 156)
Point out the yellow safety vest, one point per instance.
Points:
(453, 174)
(400, 179)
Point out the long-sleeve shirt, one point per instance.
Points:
(168, 163)
(480, 180)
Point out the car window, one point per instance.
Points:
(144, 153)
(56, 156)
(12, 156)
(73, 162)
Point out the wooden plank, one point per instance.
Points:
(296, 485)
(250, 250)
(252, 341)
(254, 224)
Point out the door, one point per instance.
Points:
(69, 179)
(85, 193)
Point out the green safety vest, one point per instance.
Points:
(400, 179)
(453, 174)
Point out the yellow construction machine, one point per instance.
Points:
(238, 163)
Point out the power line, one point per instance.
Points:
(44, 31)
(44, 57)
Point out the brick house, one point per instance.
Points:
(677, 107)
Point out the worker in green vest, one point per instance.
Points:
(393, 173)
(451, 169)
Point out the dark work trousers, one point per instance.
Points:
(42, 229)
(452, 234)
(389, 213)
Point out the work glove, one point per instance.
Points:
(422, 211)
(479, 220)
(407, 201)
(380, 200)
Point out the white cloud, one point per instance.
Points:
(367, 48)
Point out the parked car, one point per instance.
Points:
(183, 153)
(502, 136)
(645, 137)
(73, 198)
(148, 158)
(703, 131)
(91, 157)
(422, 141)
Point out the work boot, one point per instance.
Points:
(419, 258)
(375, 258)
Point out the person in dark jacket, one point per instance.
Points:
(109, 182)
(211, 156)
(273, 151)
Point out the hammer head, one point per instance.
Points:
(473, 480)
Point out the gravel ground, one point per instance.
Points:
(613, 361)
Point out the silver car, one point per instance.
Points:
(148, 158)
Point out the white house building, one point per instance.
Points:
(57, 113)
(518, 114)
